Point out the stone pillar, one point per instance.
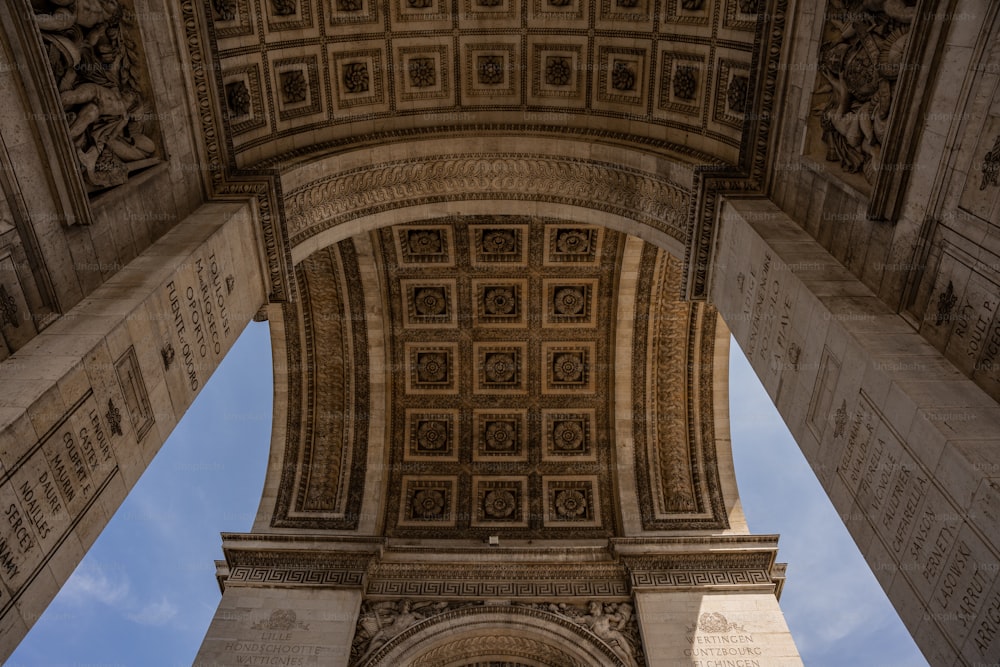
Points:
(88, 402)
(698, 629)
(287, 600)
(282, 626)
(906, 446)
(708, 601)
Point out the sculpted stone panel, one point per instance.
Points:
(98, 64)
(860, 61)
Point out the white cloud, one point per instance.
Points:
(155, 613)
(91, 582)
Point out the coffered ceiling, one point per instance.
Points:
(301, 76)
(503, 372)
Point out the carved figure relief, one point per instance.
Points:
(859, 64)
(715, 623)
(614, 623)
(168, 355)
(92, 49)
(8, 308)
(114, 417)
(991, 165)
(946, 302)
(379, 622)
(840, 420)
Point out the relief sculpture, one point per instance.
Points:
(381, 621)
(614, 623)
(859, 64)
(92, 50)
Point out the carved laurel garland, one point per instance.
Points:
(325, 203)
(675, 490)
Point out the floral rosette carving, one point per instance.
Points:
(422, 73)
(685, 82)
(622, 76)
(736, 94)
(293, 86)
(491, 72)
(568, 368)
(569, 301)
(499, 503)
(499, 301)
(424, 243)
(432, 367)
(573, 241)
(570, 504)
(428, 503)
(430, 302)
(500, 367)
(557, 72)
(567, 435)
(499, 436)
(356, 76)
(432, 435)
(499, 241)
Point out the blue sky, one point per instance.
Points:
(146, 592)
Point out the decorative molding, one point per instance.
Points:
(322, 483)
(724, 568)
(219, 176)
(675, 459)
(328, 202)
(292, 577)
(480, 580)
(752, 138)
(296, 568)
(573, 634)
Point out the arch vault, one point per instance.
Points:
(501, 245)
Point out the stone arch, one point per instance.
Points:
(627, 188)
(708, 337)
(502, 632)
